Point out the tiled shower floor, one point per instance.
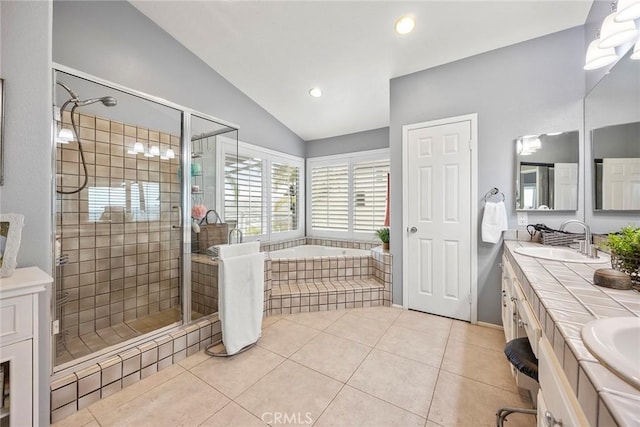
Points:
(75, 347)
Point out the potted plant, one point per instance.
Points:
(625, 252)
(383, 235)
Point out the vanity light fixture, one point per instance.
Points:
(153, 151)
(405, 24)
(169, 154)
(65, 136)
(628, 10)
(554, 133)
(598, 57)
(138, 148)
(615, 33)
(316, 92)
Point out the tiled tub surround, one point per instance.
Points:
(330, 282)
(564, 299)
(204, 284)
(118, 270)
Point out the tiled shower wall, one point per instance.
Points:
(117, 269)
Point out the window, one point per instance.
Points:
(243, 192)
(348, 193)
(330, 197)
(370, 194)
(285, 185)
(135, 201)
(262, 187)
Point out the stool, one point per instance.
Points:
(520, 354)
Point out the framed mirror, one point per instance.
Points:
(547, 171)
(612, 117)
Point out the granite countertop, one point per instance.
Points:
(564, 298)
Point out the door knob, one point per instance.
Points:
(412, 229)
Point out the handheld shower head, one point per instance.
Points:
(107, 101)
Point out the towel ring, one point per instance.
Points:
(493, 192)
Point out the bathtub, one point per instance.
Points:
(310, 251)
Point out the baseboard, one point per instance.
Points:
(397, 305)
(490, 325)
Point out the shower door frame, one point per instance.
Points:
(185, 224)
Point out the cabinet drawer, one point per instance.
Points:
(527, 319)
(560, 405)
(16, 319)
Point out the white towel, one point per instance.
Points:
(494, 221)
(241, 293)
(226, 251)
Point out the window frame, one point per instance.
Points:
(351, 159)
(268, 157)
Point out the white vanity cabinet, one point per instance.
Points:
(556, 402)
(20, 346)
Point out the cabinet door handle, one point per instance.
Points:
(549, 421)
(521, 324)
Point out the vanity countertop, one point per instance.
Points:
(564, 298)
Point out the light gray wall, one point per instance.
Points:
(114, 41)
(532, 87)
(620, 141)
(359, 141)
(26, 55)
(564, 148)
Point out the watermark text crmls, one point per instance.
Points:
(287, 417)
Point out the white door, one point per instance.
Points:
(438, 219)
(621, 183)
(565, 186)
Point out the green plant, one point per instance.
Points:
(625, 243)
(383, 234)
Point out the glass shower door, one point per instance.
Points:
(211, 143)
(118, 217)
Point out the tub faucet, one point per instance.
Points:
(235, 231)
(587, 248)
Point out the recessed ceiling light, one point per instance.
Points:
(315, 92)
(405, 24)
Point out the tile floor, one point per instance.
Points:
(375, 366)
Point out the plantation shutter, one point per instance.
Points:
(330, 197)
(285, 183)
(369, 194)
(243, 192)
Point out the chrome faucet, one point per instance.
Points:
(586, 248)
(235, 231)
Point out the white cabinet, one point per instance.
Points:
(20, 347)
(559, 406)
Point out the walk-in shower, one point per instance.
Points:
(125, 186)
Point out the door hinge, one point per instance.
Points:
(55, 327)
(470, 299)
(56, 114)
(470, 145)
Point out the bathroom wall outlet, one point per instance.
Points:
(523, 218)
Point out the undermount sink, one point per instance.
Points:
(616, 343)
(561, 254)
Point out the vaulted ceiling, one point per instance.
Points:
(275, 51)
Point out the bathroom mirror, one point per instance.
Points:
(547, 171)
(612, 116)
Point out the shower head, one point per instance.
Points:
(107, 101)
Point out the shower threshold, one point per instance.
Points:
(75, 347)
